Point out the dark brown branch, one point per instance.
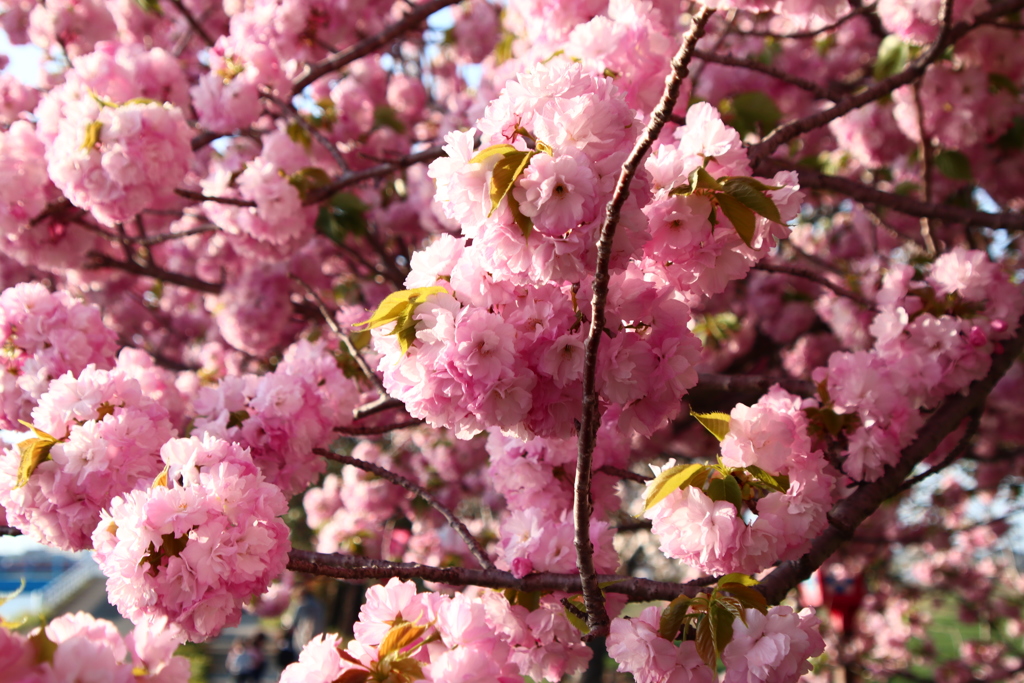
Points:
(398, 480)
(950, 34)
(349, 179)
(9, 531)
(713, 387)
(193, 22)
(383, 403)
(582, 503)
(378, 429)
(98, 260)
(958, 452)
(850, 512)
(200, 197)
(353, 568)
(369, 45)
(866, 194)
(292, 113)
(813, 33)
(171, 236)
(820, 92)
(797, 271)
(623, 474)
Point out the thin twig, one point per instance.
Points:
(582, 504)
(98, 260)
(820, 92)
(866, 194)
(623, 474)
(811, 33)
(342, 337)
(949, 34)
(797, 271)
(379, 405)
(958, 452)
(170, 236)
(293, 113)
(398, 480)
(349, 179)
(200, 197)
(377, 430)
(193, 22)
(927, 159)
(369, 45)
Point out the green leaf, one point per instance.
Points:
(545, 147)
(528, 599)
(954, 165)
(705, 642)
(754, 112)
(308, 179)
(92, 134)
(672, 617)
(727, 489)
(139, 100)
(893, 55)
(399, 637)
(506, 172)
(700, 179)
(998, 81)
(360, 340)
(34, 452)
(237, 417)
(398, 304)
(580, 623)
(736, 577)
(150, 6)
(670, 480)
(524, 222)
(732, 604)
(353, 676)
(741, 217)
(716, 423)
(299, 135)
(748, 596)
(44, 647)
(721, 626)
(488, 152)
(756, 200)
(386, 117)
(767, 479)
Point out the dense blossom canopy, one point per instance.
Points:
(525, 313)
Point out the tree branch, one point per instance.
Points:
(797, 271)
(866, 194)
(98, 260)
(9, 531)
(200, 197)
(398, 480)
(850, 512)
(411, 20)
(949, 34)
(353, 568)
(378, 429)
(349, 179)
(820, 92)
(582, 503)
(193, 22)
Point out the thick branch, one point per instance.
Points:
(200, 197)
(399, 480)
(866, 194)
(368, 45)
(849, 513)
(582, 504)
(98, 260)
(9, 531)
(713, 387)
(355, 568)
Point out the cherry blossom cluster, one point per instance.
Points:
(535, 477)
(97, 436)
(931, 338)
(79, 647)
(770, 518)
(283, 415)
(196, 544)
(433, 637)
(765, 647)
(45, 335)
